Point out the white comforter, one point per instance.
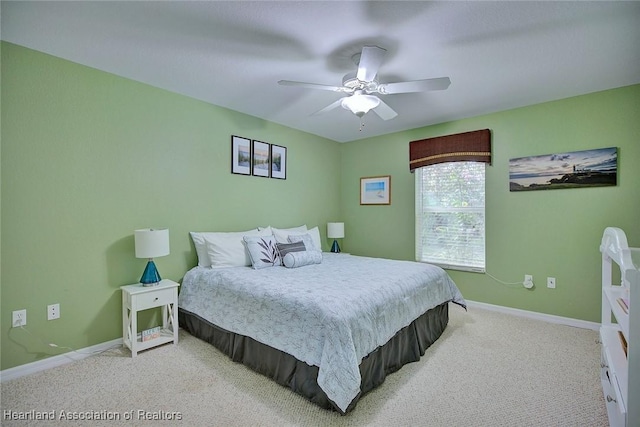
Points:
(329, 315)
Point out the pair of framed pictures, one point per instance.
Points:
(258, 158)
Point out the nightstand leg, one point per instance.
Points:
(165, 322)
(127, 337)
(169, 321)
(174, 322)
(133, 319)
(125, 320)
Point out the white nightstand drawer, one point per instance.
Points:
(155, 299)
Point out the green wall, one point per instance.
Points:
(544, 233)
(87, 157)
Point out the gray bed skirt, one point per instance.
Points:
(406, 346)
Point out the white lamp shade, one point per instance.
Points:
(151, 243)
(335, 230)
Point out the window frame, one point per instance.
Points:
(421, 211)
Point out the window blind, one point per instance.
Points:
(450, 215)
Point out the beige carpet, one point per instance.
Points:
(488, 369)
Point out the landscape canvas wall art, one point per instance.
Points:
(575, 169)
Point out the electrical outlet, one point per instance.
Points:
(19, 318)
(551, 282)
(528, 281)
(53, 311)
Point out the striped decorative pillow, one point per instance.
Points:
(285, 248)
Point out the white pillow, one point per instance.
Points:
(315, 236)
(281, 234)
(263, 251)
(201, 246)
(300, 259)
(306, 239)
(228, 249)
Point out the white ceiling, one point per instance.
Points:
(499, 55)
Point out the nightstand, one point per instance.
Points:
(136, 298)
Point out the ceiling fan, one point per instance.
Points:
(363, 86)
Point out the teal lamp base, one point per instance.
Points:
(150, 277)
(335, 247)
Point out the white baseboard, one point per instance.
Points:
(62, 359)
(58, 360)
(584, 324)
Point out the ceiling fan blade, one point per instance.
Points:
(370, 61)
(329, 107)
(384, 111)
(315, 86)
(440, 83)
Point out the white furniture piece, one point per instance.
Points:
(136, 298)
(620, 367)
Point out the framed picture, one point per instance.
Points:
(278, 162)
(260, 159)
(375, 190)
(240, 155)
(574, 169)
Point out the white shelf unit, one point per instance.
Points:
(620, 371)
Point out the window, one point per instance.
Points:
(450, 216)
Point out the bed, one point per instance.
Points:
(330, 331)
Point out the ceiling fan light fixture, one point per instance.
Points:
(360, 104)
(363, 85)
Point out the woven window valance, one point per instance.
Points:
(472, 146)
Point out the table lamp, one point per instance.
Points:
(335, 230)
(151, 243)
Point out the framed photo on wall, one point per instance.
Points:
(240, 155)
(278, 162)
(260, 159)
(375, 190)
